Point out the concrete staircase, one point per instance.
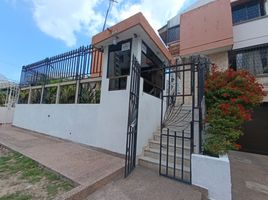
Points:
(178, 152)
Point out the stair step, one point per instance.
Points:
(157, 136)
(173, 129)
(154, 144)
(187, 142)
(154, 165)
(155, 154)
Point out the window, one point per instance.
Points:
(173, 34)
(163, 35)
(153, 79)
(119, 65)
(254, 60)
(247, 11)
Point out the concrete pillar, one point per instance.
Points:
(42, 95)
(30, 94)
(58, 94)
(77, 92)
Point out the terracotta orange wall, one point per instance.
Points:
(96, 64)
(207, 27)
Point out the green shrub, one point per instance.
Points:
(230, 98)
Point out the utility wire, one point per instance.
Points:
(107, 13)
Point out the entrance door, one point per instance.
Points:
(132, 129)
(255, 138)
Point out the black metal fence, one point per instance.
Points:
(81, 63)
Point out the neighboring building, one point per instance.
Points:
(8, 98)
(231, 33)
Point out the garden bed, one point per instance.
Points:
(24, 179)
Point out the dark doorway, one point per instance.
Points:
(151, 72)
(255, 138)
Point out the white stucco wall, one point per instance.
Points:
(251, 33)
(101, 125)
(68, 121)
(149, 118)
(212, 174)
(6, 115)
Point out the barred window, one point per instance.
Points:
(254, 60)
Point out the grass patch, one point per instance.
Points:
(55, 187)
(16, 196)
(13, 163)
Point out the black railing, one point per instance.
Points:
(81, 63)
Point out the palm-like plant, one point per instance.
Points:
(23, 97)
(50, 95)
(90, 93)
(67, 94)
(2, 98)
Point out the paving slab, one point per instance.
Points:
(79, 163)
(144, 184)
(249, 174)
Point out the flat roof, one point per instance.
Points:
(125, 25)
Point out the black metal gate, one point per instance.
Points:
(131, 143)
(181, 118)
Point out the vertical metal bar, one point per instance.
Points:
(126, 156)
(182, 156)
(193, 113)
(183, 84)
(175, 145)
(130, 148)
(169, 87)
(161, 132)
(167, 151)
(176, 82)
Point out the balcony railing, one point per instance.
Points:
(82, 63)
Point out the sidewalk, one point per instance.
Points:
(145, 184)
(249, 176)
(76, 162)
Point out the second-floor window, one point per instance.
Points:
(248, 11)
(171, 34)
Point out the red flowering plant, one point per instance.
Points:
(230, 99)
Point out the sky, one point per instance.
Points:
(31, 30)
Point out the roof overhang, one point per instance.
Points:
(135, 26)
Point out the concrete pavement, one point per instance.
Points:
(145, 184)
(76, 162)
(249, 174)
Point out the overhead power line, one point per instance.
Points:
(107, 13)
